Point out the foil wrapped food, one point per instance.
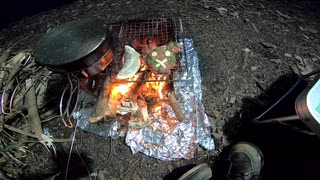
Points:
(156, 139)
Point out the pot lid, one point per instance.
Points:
(65, 47)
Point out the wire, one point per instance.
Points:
(71, 148)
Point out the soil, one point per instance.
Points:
(248, 51)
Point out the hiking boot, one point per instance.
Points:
(246, 161)
(199, 172)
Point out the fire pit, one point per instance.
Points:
(151, 91)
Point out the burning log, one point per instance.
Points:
(114, 98)
(176, 107)
(102, 104)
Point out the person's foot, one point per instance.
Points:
(246, 161)
(199, 172)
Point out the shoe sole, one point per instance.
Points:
(199, 172)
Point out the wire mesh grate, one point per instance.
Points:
(138, 33)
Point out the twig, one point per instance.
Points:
(12, 157)
(121, 160)
(255, 27)
(131, 168)
(19, 131)
(33, 113)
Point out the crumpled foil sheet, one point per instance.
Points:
(155, 139)
(85, 109)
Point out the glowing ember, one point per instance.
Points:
(157, 110)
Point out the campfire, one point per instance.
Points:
(139, 79)
(134, 96)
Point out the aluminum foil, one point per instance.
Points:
(85, 109)
(157, 139)
(180, 141)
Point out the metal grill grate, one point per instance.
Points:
(139, 32)
(160, 30)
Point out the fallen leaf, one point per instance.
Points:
(254, 68)
(222, 11)
(305, 36)
(278, 61)
(314, 59)
(268, 45)
(170, 168)
(288, 55)
(247, 50)
(308, 29)
(255, 27)
(295, 69)
(306, 66)
(299, 58)
(283, 15)
(217, 114)
(235, 14)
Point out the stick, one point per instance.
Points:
(33, 113)
(102, 103)
(176, 107)
(19, 131)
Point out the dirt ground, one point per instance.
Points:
(245, 48)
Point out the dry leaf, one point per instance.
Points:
(268, 45)
(305, 36)
(232, 100)
(287, 55)
(247, 50)
(308, 29)
(222, 11)
(295, 69)
(254, 68)
(278, 61)
(306, 66)
(283, 15)
(235, 14)
(217, 114)
(299, 58)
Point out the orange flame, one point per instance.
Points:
(157, 84)
(123, 88)
(153, 87)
